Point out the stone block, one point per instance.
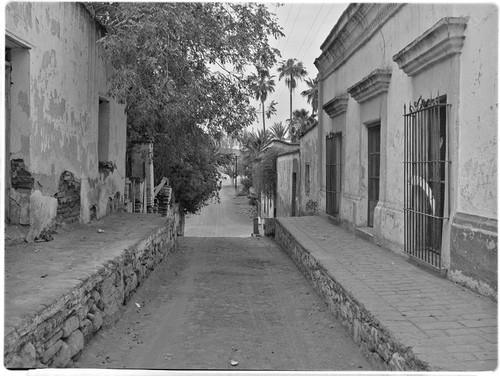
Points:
(51, 351)
(397, 362)
(52, 325)
(82, 312)
(100, 305)
(97, 320)
(40, 365)
(62, 357)
(90, 302)
(24, 359)
(75, 342)
(70, 325)
(50, 342)
(86, 328)
(131, 284)
(357, 332)
(12, 361)
(95, 295)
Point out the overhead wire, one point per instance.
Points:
(284, 25)
(317, 32)
(310, 28)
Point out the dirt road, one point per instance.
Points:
(230, 217)
(225, 299)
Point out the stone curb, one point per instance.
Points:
(381, 348)
(55, 335)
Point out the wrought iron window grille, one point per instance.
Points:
(426, 171)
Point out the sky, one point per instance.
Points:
(306, 26)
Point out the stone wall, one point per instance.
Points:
(55, 336)
(380, 348)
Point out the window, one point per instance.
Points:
(307, 180)
(373, 169)
(425, 170)
(333, 172)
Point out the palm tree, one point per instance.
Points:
(262, 84)
(279, 131)
(301, 121)
(311, 94)
(291, 70)
(271, 109)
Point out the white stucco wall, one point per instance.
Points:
(54, 119)
(470, 82)
(309, 156)
(284, 167)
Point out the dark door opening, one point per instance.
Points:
(373, 170)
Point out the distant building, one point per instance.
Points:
(278, 204)
(407, 135)
(65, 139)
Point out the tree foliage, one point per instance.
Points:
(180, 69)
(261, 84)
(279, 131)
(311, 94)
(301, 121)
(165, 57)
(291, 70)
(190, 159)
(265, 174)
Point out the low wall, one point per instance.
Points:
(57, 335)
(378, 345)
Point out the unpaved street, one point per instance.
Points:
(218, 300)
(227, 218)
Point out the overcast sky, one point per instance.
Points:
(306, 26)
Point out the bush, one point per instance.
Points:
(265, 175)
(246, 183)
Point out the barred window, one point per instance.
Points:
(425, 170)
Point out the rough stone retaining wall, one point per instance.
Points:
(56, 336)
(379, 346)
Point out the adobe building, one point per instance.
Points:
(65, 138)
(407, 134)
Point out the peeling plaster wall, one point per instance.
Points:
(470, 82)
(309, 155)
(284, 167)
(55, 116)
(477, 155)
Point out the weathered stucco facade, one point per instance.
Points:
(287, 187)
(308, 190)
(65, 139)
(380, 58)
(268, 205)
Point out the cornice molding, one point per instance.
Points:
(355, 27)
(441, 41)
(374, 84)
(336, 106)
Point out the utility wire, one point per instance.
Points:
(310, 28)
(333, 5)
(291, 31)
(284, 25)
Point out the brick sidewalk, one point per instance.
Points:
(403, 316)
